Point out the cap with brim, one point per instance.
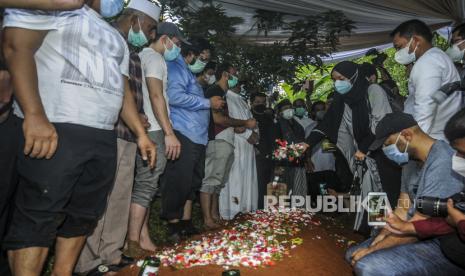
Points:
(390, 124)
(149, 8)
(170, 29)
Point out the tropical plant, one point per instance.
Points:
(261, 65)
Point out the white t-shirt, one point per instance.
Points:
(80, 65)
(432, 70)
(153, 66)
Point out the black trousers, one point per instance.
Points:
(315, 179)
(453, 248)
(343, 172)
(66, 195)
(182, 178)
(265, 168)
(9, 143)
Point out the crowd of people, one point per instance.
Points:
(103, 108)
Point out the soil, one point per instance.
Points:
(322, 253)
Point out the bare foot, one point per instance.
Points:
(219, 220)
(211, 225)
(147, 244)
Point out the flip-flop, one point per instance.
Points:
(99, 270)
(102, 269)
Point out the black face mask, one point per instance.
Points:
(269, 112)
(259, 109)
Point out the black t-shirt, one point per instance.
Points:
(214, 90)
(268, 133)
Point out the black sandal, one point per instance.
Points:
(100, 270)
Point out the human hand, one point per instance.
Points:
(250, 124)
(145, 121)
(148, 149)
(216, 102)
(360, 156)
(239, 130)
(253, 139)
(398, 226)
(41, 138)
(381, 236)
(305, 146)
(309, 166)
(173, 147)
(455, 215)
(360, 253)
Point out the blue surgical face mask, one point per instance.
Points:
(198, 66)
(394, 154)
(137, 39)
(111, 8)
(344, 86)
(173, 53)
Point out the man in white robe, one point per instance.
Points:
(241, 191)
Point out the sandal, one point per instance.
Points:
(100, 270)
(103, 269)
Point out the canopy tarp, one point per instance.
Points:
(374, 19)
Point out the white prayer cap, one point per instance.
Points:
(149, 8)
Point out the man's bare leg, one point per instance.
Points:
(145, 240)
(136, 220)
(67, 251)
(27, 261)
(215, 208)
(206, 203)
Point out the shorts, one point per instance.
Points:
(66, 195)
(218, 163)
(146, 180)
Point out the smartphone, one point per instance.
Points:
(378, 208)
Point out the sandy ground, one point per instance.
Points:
(322, 253)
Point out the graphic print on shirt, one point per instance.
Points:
(93, 57)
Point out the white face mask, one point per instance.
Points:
(211, 79)
(458, 165)
(454, 52)
(403, 56)
(288, 114)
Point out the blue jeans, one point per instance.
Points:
(420, 258)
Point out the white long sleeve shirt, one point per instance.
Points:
(432, 70)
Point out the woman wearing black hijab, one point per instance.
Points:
(347, 122)
(351, 120)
